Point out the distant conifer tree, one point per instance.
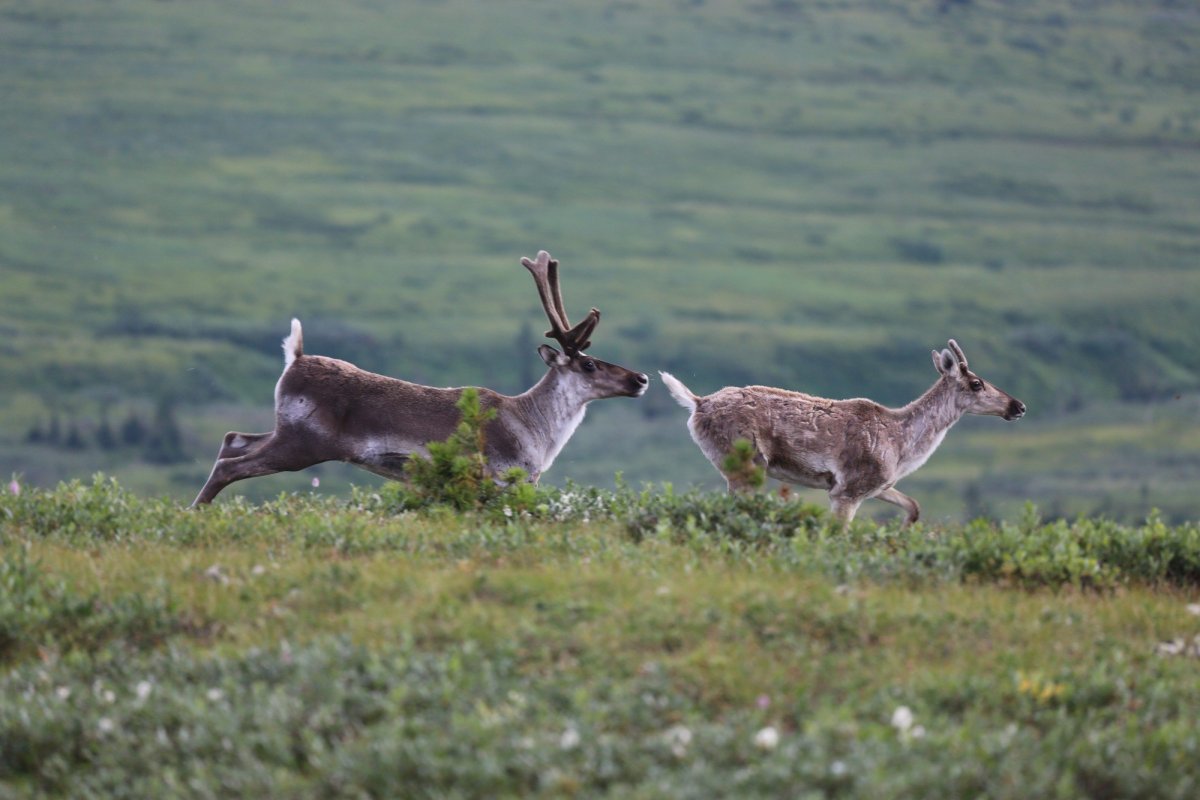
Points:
(54, 432)
(133, 430)
(106, 439)
(165, 442)
(74, 440)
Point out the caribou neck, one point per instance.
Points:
(926, 420)
(552, 406)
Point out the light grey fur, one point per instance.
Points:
(855, 449)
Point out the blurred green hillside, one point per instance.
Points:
(810, 195)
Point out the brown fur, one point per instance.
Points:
(330, 410)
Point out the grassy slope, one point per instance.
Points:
(752, 192)
(307, 648)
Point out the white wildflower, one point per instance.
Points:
(63, 692)
(767, 738)
(109, 696)
(215, 695)
(570, 738)
(1194, 609)
(678, 738)
(106, 725)
(216, 574)
(902, 721)
(1171, 648)
(258, 570)
(838, 768)
(143, 690)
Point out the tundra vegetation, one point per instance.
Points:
(456, 638)
(800, 195)
(586, 642)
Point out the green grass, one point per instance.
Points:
(628, 644)
(752, 192)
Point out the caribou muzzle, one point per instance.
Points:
(638, 384)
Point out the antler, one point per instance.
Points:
(545, 276)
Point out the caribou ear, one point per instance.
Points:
(959, 356)
(552, 357)
(944, 362)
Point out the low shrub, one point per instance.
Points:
(42, 613)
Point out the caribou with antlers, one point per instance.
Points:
(330, 410)
(855, 449)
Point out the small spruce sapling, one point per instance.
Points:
(739, 466)
(456, 473)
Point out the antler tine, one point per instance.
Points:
(581, 334)
(557, 290)
(958, 353)
(545, 275)
(540, 270)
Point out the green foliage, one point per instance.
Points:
(627, 643)
(1084, 553)
(456, 472)
(756, 518)
(739, 466)
(331, 719)
(40, 613)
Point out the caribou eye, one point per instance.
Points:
(976, 385)
(589, 366)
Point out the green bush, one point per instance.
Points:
(739, 466)
(332, 719)
(1085, 553)
(759, 518)
(456, 473)
(42, 613)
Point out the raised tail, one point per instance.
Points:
(681, 393)
(293, 345)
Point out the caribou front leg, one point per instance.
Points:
(904, 501)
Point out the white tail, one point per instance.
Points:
(681, 393)
(330, 410)
(855, 449)
(293, 345)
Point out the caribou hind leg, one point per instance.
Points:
(251, 455)
(240, 444)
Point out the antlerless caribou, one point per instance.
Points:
(856, 449)
(330, 410)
